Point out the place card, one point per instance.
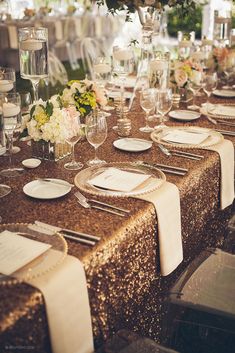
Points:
(186, 137)
(17, 251)
(118, 180)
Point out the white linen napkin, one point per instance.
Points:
(67, 306)
(13, 37)
(166, 200)
(186, 137)
(226, 153)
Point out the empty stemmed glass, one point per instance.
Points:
(209, 85)
(102, 70)
(75, 136)
(195, 84)
(122, 67)
(11, 115)
(33, 51)
(147, 103)
(164, 104)
(7, 79)
(96, 133)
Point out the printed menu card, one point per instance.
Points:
(17, 251)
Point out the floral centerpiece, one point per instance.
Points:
(85, 95)
(29, 13)
(50, 125)
(221, 59)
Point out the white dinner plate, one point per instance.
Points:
(132, 144)
(117, 94)
(224, 93)
(184, 115)
(46, 190)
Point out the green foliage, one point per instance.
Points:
(191, 21)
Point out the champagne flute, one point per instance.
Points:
(11, 114)
(122, 67)
(96, 133)
(164, 104)
(74, 137)
(195, 84)
(7, 79)
(209, 85)
(147, 103)
(33, 51)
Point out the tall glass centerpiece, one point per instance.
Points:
(33, 51)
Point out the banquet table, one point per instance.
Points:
(126, 289)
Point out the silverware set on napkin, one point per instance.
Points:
(179, 153)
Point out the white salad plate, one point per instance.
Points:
(132, 144)
(31, 163)
(224, 93)
(184, 115)
(46, 190)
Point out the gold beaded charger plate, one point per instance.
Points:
(168, 136)
(221, 111)
(153, 182)
(41, 265)
(184, 115)
(225, 93)
(132, 144)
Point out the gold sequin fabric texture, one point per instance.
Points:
(122, 270)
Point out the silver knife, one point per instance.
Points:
(67, 231)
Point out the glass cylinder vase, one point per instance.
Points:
(50, 151)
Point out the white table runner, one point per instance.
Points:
(67, 307)
(226, 153)
(166, 200)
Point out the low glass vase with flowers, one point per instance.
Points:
(50, 125)
(182, 73)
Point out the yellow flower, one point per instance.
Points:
(40, 116)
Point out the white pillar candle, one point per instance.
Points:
(10, 109)
(102, 68)
(122, 54)
(6, 85)
(31, 44)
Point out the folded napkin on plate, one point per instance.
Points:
(226, 153)
(67, 306)
(219, 109)
(118, 180)
(186, 137)
(166, 200)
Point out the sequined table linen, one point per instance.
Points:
(123, 276)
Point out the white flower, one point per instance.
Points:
(55, 100)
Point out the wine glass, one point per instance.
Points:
(11, 114)
(102, 70)
(96, 133)
(122, 67)
(164, 104)
(33, 51)
(75, 136)
(7, 79)
(209, 85)
(147, 103)
(195, 84)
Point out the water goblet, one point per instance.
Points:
(122, 67)
(147, 103)
(74, 137)
(11, 115)
(102, 70)
(96, 133)
(7, 79)
(195, 84)
(33, 51)
(164, 104)
(209, 85)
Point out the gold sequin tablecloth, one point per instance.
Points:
(124, 282)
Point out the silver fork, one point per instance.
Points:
(86, 203)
